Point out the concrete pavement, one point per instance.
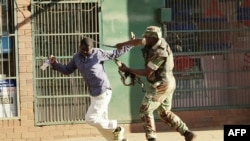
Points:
(214, 134)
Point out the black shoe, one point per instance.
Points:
(189, 135)
(152, 139)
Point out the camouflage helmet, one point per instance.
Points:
(153, 31)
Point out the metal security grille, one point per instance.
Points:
(8, 67)
(210, 40)
(58, 27)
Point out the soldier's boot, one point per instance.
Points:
(189, 136)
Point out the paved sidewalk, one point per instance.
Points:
(202, 135)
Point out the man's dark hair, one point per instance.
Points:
(87, 41)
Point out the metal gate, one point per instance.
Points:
(9, 92)
(210, 39)
(57, 29)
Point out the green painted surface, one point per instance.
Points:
(166, 15)
(119, 18)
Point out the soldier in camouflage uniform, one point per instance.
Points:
(159, 64)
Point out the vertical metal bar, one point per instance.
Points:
(34, 38)
(16, 60)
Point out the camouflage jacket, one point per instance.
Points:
(159, 58)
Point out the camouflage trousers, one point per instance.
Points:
(153, 101)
